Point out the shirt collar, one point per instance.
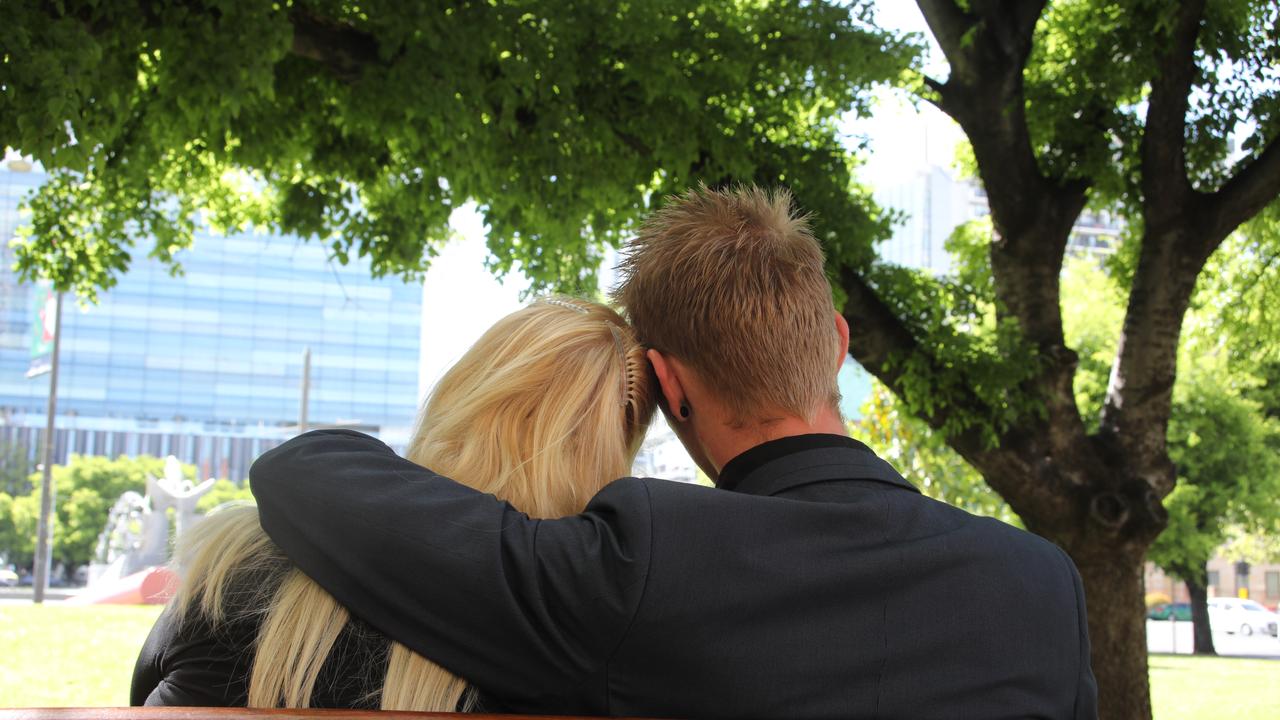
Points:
(737, 469)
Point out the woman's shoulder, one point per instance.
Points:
(189, 661)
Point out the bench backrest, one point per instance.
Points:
(193, 713)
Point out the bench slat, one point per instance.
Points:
(196, 713)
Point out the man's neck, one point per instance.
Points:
(733, 441)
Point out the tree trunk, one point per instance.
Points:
(1117, 628)
(1197, 586)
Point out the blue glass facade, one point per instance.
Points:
(215, 355)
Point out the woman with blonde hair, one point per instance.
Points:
(547, 407)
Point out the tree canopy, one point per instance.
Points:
(364, 125)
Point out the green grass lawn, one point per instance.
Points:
(54, 656)
(83, 656)
(1196, 688)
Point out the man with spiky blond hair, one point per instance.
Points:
(729, 292)
(815, 582)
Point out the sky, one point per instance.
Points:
(460, 298)
(905, 134)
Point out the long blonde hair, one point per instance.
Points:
(548, 406)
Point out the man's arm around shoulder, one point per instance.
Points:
(527, 610)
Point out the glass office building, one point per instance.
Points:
(208, 365)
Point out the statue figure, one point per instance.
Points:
(121, 538)
(137, 532)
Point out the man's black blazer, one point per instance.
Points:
(821, 585)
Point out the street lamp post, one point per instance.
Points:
(306, 390)
(44, 530)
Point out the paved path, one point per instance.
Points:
(1164, 636)
(12, 595)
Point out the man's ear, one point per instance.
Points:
(842, 328)
(668, 383)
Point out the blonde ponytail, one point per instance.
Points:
(549, 405)
(415, 683)
(300, 629)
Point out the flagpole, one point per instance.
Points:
(44, 531)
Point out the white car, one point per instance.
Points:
(1239, 615)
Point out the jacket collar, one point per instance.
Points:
(780, 465)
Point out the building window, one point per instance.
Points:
(1213, 582)
(1242, 579)
(1273, 584)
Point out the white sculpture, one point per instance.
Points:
(137, 532)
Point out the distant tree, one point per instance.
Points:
(1267, 392)
(1228, 448)
(8, 539)
(1240, 299)
(1256, 547)
(18, 518)
(14, 469)
(86, 487)
(224, 491)
(1229, 481)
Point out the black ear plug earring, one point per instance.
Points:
(684, 411)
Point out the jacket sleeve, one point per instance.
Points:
(527, 610)
(188, 664)
(146, 670)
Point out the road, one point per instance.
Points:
(22, 595)
(1164, 636)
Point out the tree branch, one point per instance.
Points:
(1251, 189)
(632, 141)
(948, 23)
(879, 341)
(987, 50)
(1178, 238)
(340, 48)
(1032, 214)
(1005, 28)
(1011, 24)
(934, 85)
(936, 99)
(1165, 185)
(1175, 244)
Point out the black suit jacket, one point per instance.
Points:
(823, 585)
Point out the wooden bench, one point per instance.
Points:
(188, 713)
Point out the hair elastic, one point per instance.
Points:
(617, 344)
(622, 355)
(566, 304)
